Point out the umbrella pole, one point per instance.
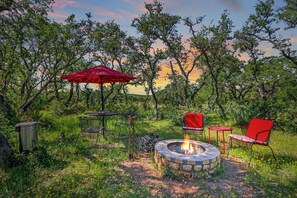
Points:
(102, 97)
(102, 108)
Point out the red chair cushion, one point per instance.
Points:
(258, 125)
(194, 121)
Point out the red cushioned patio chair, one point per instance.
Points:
(193, 122)
(258, 132)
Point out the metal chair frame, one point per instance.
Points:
(255, 142)
(194, 129)
(131, 135)
(85, 121)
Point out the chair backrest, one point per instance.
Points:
(260, 125)
(194, 120)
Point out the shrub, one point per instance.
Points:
(287, 120)
(242, 113)
(175, 115)
(59, 108)
(48, 120)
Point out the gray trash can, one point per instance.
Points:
(27, 135)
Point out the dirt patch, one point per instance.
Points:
(229, 182)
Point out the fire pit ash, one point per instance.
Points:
(186, 157)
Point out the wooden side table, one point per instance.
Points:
(222, 129)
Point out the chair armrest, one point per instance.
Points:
(267, 131)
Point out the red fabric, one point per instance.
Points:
(98, 74)
(258, 125)
(194, 120)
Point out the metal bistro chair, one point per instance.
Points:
(258, 132)
(90, 125)
(193, 122)
(130, 127)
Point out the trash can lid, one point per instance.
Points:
(25, 124)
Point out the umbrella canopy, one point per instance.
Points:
(100, 75)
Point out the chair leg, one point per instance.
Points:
(272, 152)
(134, 140)
(251, 155)
(129, 146)
(229, 147)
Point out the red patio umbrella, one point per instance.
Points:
(98, 74)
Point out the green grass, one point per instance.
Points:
(69, 164)
(278, 178)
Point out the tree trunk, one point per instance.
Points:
(155, 100)
(57, 95)
(218, 98)
(77, 90)
(173, 73)
(70, 95)
(92, 100)
(88, 100)
(145, 101)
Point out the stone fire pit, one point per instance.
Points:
(204, 159)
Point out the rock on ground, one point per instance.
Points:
(6, 152)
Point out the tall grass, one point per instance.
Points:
(69, 164)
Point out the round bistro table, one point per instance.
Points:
(222, 129)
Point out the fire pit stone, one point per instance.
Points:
(186, 164)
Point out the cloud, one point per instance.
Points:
(140, 7)
(58, 15)
(266, 47)
(244, 57)
(127, 15)
(64, 3)
(139, 90)
(166, 70)
(293, 39)
(183, 7)
(120, 14)
(149, 1)
(107, 13)
(233, 5)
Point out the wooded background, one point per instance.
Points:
(36, 51)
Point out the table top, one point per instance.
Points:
(103, 113)
(220, 128)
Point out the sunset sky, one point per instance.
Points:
(123, 12)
